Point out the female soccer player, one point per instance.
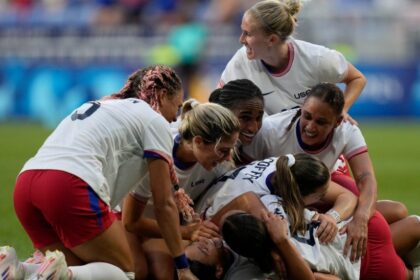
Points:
(64, 194)
(246, 101)
(285, 68)
(297, 181)
(317, 129)
(206, 137)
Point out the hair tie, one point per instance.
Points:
(290, 160)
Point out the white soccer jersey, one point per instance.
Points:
(253, 177)
(308, 65)
(256, 177)
(326, 258)
(273, 139)
(105, 143)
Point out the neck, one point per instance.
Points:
(278, 59)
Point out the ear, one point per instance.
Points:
(198, 140)
(339, 120)
(273, 39)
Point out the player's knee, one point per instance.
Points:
(393, 211)
(400, 210)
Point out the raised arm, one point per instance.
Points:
(355, 82)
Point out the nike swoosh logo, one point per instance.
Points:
(267, 93)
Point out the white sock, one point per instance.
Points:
(416, 273)
(29, 268)
(98, 270)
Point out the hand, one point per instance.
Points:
(188, 231)
(327, 229)
(276, 225)
(206, 230)
(348, 118)
(185, 274)
(357, 231)
(183, 203)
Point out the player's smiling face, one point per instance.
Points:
(250, 114)
(253, 38)
(317, 121)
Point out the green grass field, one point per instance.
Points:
(392, 146)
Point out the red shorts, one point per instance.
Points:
(57, 207)
(345, 181)
(381, 260)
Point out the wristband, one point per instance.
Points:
(335, 215)
(181, 262)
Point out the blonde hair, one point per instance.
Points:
(209, 120)
(276, 16)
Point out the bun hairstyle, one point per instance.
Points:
(276, 17)
(210, 121)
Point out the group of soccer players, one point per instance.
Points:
(254, 184)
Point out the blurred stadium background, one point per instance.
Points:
(57, 54)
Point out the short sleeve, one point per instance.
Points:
(356, 143)
(333, 66)
(158, 140)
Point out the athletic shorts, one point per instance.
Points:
(381, 260)
(57, 207)
(345, 181)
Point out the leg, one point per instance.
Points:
(160, 261)
(140, 263)
(69, 214)
(110, 246)
(392, 210)
(405, 234)
(381, 261)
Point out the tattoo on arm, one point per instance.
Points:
(362, 176)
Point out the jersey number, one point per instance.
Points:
(92, 109)
(310, 240)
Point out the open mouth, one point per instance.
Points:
(247, 136)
